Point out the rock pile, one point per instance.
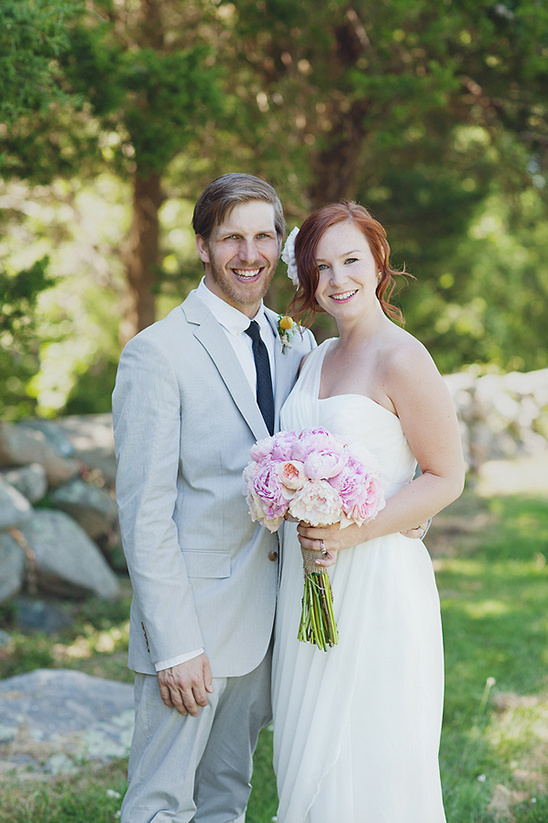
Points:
(58, 515)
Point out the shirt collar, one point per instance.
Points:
(233, 320)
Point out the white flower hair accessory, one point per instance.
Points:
(288, 256)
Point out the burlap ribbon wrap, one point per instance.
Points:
(309, 561)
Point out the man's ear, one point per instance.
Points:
(203, 249)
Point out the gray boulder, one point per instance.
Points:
(31, 481)
(92, 439)
(68, 562)
(53, 434)
(14, 508)
(91, 506)
(12, 564)
(54, 720)
(20, 446)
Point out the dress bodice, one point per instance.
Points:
(355, 417)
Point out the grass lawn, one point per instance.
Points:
(490, 560)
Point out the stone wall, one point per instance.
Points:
(58, 521)
(502, 416)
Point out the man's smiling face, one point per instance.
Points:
(241, 255)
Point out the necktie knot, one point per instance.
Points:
(254, 331)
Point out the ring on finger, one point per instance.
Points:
(322, 548)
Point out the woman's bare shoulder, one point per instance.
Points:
(402, 350)
(407, 364)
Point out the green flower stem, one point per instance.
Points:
(318, 625)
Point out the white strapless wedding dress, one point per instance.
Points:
(357, 728)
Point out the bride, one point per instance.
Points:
(357, 728)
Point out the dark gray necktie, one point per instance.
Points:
(265, 396)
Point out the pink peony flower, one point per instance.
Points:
(292, 474)
(267, 485)
(321, 465)
(319, 479)
(313, 477)
(317, 503)
(262, 449)
(368, 509)
(256, 509)
(360, 492)
(313, 439)
(283, 445)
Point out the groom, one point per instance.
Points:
(194, 391)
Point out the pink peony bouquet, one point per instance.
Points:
(316, 478)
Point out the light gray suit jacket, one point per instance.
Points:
(184, 420)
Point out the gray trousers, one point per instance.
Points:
(198, 769)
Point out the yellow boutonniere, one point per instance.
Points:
(286, 329)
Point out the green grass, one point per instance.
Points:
(490, 560)
(494, 595)
(94, 797)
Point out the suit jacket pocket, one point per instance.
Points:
(206, 563)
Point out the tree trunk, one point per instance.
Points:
(142, 255)
(337, 171)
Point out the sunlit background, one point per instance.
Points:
(114, 114)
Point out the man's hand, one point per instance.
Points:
(418, 531)
(185, 687)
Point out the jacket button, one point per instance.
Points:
(273, 556)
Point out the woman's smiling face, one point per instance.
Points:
(348, 272)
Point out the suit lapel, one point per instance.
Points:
(284, 375)
(213, 338)
(286, 364)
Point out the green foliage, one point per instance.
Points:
(27, 654)
(19, 293)
(33, 36)
(66, 342)
(483, 302)
(38, 112)
(166, 90)
(19, 342)
(436, 121)
(347, 82)
(144, 81)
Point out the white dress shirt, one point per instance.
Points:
(234, 324)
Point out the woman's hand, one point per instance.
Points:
(328, 541)
(333, 539)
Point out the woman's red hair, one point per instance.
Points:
(306, 243)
